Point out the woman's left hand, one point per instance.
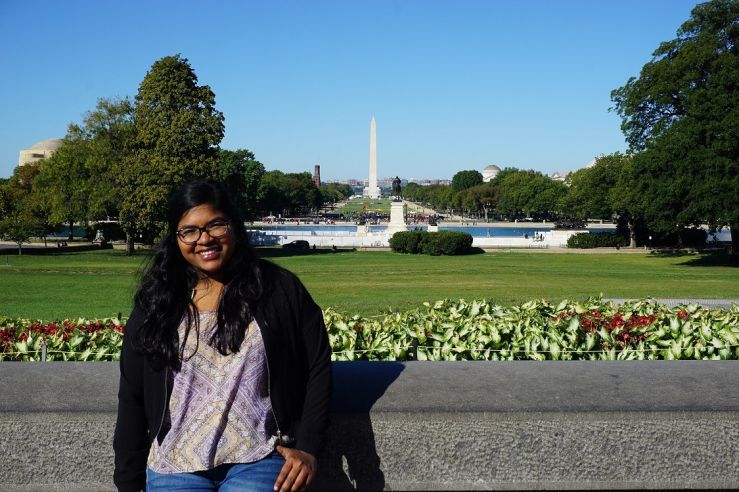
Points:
(298, 470)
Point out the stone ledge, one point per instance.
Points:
(430, 425)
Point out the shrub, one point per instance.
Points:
(431, 243)
(407, 242)
(601, 240)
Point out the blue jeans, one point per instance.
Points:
(258, 476)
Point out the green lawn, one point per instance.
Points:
(377, 205)
(102, 283)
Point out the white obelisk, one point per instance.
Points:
(372, 190)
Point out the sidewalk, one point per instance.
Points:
(706, 303)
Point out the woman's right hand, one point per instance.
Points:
(297, 472)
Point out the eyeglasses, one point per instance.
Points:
(191, 235)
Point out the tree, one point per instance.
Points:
(242, 175)
(289, 194)
(271, 189)
(109, 131)
(485, 198)
(682, 115)
(177, 132)
(334, 192)
(65, 180)
(609, 188)
(17, 220)
(527, 192)
(79, 182)
(627, 197)
(466, 179)
(590, 188)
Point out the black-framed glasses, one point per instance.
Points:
(191, 234)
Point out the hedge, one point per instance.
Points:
(586, 240)
(431, 243)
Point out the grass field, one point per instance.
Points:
(98, 284)
(377, 205)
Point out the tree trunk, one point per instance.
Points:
(632, 234)
(734, 238)
(71, 230)
(20, 249)
(129, 244)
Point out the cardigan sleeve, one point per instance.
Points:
(311, 433)
(130, 441)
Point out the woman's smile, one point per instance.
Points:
(208, 254)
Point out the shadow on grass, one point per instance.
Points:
(49, 250)
(474, 251)
(713, 260)
(285, 252)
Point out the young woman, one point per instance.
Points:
(225, 367)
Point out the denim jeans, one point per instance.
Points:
(257, 477)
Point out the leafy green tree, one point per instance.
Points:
(272, 191)
(19, 228)
(289, 193)
(36, 200)
(108, 129)
(177, 130)
(65, 180)
(627, 198)
(589, 192)
(609, 188)
(334, 192)
(17, 220)
(466, 179)
(528, 192)
(682, 115)
(484, 198)
(242, 175)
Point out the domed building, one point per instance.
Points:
(39, 150)
(489, 172)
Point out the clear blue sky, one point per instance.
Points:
(454, 84)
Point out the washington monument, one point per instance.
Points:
(372, 190)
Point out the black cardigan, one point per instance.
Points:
(299, 362)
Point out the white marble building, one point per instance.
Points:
(39, 150)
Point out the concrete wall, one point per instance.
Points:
(429, 425)
(344, 239)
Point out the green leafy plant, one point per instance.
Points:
(431, 243)
(597, 240)
(453, 330)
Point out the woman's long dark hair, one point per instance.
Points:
(165, 294)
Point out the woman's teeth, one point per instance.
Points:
(209, 254)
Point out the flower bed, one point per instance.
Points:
(454, 330)
(25, 340)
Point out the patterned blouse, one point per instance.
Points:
(219, 411)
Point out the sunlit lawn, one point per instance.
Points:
(365, 205)
(102, 283)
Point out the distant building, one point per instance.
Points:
(317, 175)
(559, 175)
(40, 150)
(489, 172)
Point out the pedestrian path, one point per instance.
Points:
(708, 303)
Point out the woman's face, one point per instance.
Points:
(208, 254)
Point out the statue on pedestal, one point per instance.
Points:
(396, 189)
